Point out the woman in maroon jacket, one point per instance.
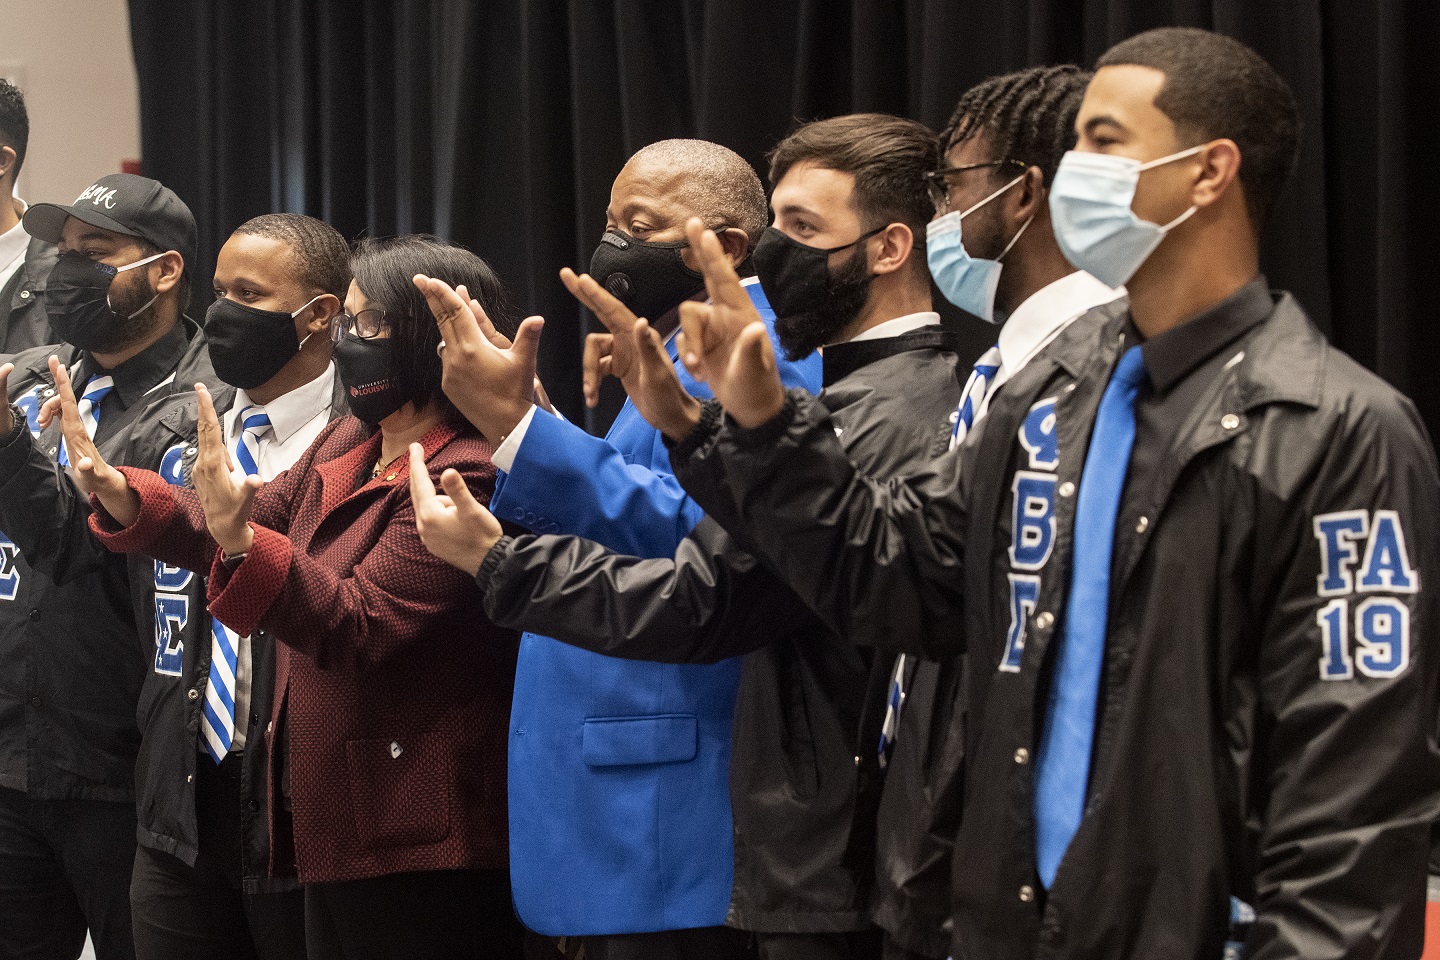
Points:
(392, 689)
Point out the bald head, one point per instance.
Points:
(712, 182)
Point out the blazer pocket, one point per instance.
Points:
(401, 790)
(632, 741)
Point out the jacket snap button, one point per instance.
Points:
(35, 615)
(1027, 893)
(24, 294)
(395, 750)
(1142, 524)
(1067, 489)
(189, 778)
(1044, 620)
(1022, 756)
(269, 728)
(193, 694)
(1229, 421)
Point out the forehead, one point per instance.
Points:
(263, 259)
(817, 189)
(76, 232)
(650, 183)
(1125, 95)
(978, 148)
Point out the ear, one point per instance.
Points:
(735, 243)
(7, 161)
(171, 267)
(1029, 197)
(322, 311)
(896, 241)
(1219, 169)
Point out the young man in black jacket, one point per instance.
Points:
(24, 260)
(843, 270)
(1224, 521)
(71, 664)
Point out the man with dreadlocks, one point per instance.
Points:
(1002, 147)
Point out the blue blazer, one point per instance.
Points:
(619, 773)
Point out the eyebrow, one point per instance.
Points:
(1103, 120)
(797, 209)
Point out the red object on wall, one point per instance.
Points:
(1432, 931)
(130, 166)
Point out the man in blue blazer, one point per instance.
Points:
(620, 829)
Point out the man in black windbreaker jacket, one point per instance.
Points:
(1264, 708)
(804, 771)
(71, 660)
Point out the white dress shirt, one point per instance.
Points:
(296, 419)
(898, 326)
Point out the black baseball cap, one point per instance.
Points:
(123, 203)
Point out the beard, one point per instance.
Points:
(801, 334)
(127, 331)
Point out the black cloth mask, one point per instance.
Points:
(366, 368)
(648, 277)
(248, 345)
(811, 304)
(77, 302)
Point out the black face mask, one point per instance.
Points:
(649, 278)
(77, 302)
(366, 369)
(248, 345)
(811, 305)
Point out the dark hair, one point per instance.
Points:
(14, 122)
(888, 156)
(320, 256)
(1215, 86)
(1028, 115)
(384, 271)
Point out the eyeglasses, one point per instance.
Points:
(367, 324)
(937, 182)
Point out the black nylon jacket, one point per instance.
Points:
(71, 659)
(23, 321)
(804, 778)
(1268, 695)
(170, 607)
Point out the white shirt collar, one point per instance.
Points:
(291, 411)
(1046, 312)
(13, 242)
(898, 326)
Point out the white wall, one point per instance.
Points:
(72, 60)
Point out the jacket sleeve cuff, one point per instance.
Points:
(705, 430)
(157, 511)
(241, 598)
(491, 562)
(768, 433)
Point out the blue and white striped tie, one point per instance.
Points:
(95, 391)
(976, 387)
(254, 422)
(217, 718)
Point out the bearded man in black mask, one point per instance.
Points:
(70, 664)
(620, 824)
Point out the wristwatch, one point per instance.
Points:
(232, 562)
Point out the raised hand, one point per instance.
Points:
(633, 352)
(453, 526)
(92, 474)
(226, 503)
(491, 381)
(725, 342)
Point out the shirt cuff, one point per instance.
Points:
(505, 454)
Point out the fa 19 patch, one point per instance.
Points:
(1032, 524)
(1363, 552)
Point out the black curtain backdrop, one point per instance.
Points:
(501, 123)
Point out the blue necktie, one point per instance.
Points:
(1063, 767)
(981, 377)
(89, 409)
(254, 421)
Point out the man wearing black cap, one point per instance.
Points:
(70, 663)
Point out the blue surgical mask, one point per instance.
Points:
(1090, 212)
(968, 282)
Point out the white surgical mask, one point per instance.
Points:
(968, 282)
(1090, 211)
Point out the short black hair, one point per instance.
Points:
(1029, 115)
(321, 257)
(14, 122)
(384, 270)
(1215, 87)
(888, 156)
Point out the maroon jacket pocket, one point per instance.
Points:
(401, 790)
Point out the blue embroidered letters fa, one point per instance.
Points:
(1363, 552)
(1032, 524)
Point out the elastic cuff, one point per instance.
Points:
(491, 561)
(767, 433)
(705, 430)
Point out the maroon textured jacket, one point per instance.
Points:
(395, 685)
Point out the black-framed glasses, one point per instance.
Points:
(367, 324)
(937, 182)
